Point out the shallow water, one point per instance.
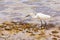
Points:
(19, 9)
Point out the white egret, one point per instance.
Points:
(42, 17)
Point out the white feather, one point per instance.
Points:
(40, 16)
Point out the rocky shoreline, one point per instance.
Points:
(27, 31)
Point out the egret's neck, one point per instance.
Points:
(32, 14)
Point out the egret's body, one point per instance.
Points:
(41, 16)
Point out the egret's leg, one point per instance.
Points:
(43, 23)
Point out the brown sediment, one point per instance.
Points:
(29, 30)
(54, 38)
(55, 31)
